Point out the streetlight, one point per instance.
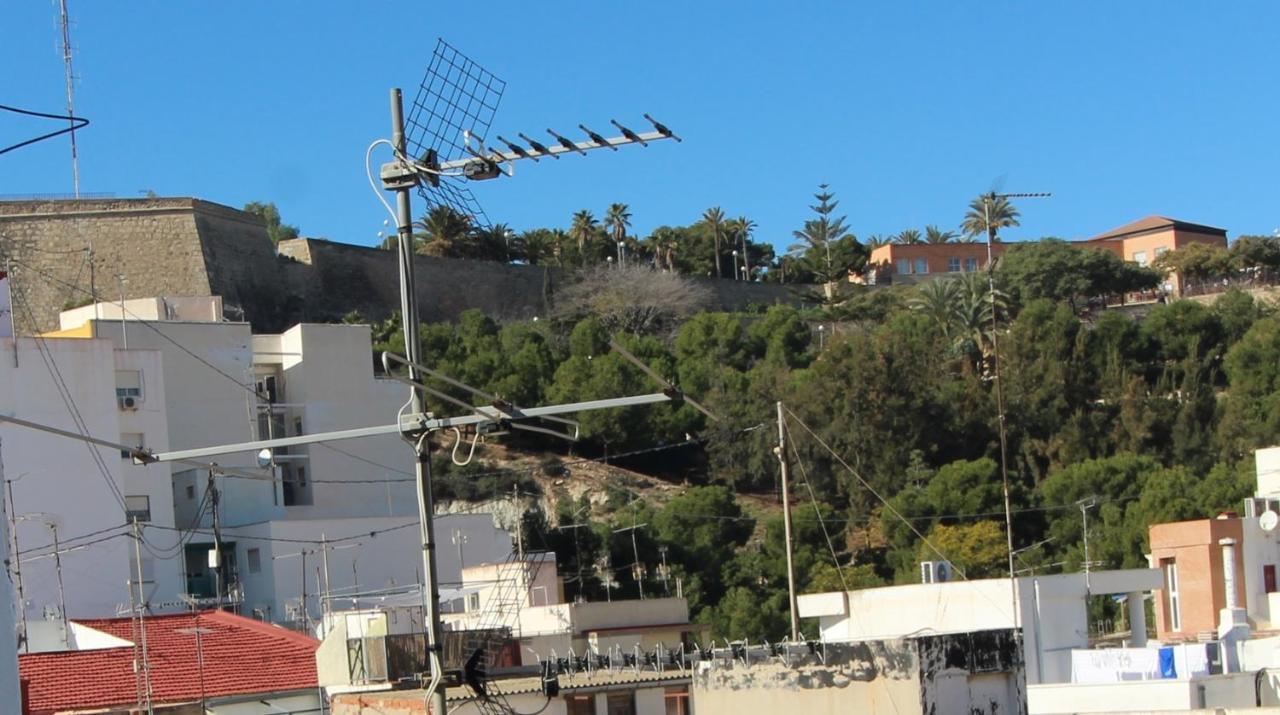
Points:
(735, 265)
(622, 256)
(609, 260)
(822, 331)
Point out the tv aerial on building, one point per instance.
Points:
(446, 129)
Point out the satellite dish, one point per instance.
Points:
(264, 458)
(1269, 521)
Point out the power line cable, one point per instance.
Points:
(868, 487)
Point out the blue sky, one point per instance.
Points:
(908, 109)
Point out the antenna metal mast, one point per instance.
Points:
(987, 200)
(65, 23)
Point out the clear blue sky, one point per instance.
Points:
(908, 109)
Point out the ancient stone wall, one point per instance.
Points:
(153, 243)
(185, 247)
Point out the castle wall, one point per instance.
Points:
(189, 247)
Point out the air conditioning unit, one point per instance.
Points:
(935, 571)
(127, 403)
(1255, 507)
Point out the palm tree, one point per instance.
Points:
(662, 243)
(742, 228)
(491, 244)
(877, 240)
(933, 234)
(442, 232)
(714, 219)
(536, 246)
(583, 228)
(937, 299)
(618, 219)
(988, 214)
(908, 236)
(559, 239)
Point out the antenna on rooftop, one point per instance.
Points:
(988, 199)
(64, 22)
(448, 122)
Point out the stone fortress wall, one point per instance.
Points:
(186, 246)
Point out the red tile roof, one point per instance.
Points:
(241, 656)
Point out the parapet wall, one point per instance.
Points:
(186, 247)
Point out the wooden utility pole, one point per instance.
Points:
(781, 451)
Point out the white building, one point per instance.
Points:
(87, 493)
(186, 380)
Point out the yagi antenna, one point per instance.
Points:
(445, 136)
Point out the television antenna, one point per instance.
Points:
(445, 133)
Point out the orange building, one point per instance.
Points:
(1145, 240)
(917, 262)
(1141, 242)
(1189, 554)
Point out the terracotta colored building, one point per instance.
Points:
(1141, 242)
(1145, 240)
(1189, 555)
(917, 262)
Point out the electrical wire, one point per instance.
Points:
(76, 123)
(876, 494)
(804, 474)
(68, 401)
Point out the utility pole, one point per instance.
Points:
(577, 555)
(987, 199)
(141, 611)
(124, 331)
(662, 550)
(515, 492)
(637, 569)
(62, 596)
(17, 567)
(217, 538)
(786, 526)
(305, 620)
(1085, 505)
(421, 445)
(324, 555)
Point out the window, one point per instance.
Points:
(191, 491)
(137, 507)
(922, 266)
(131, 439)
(254, 557)
(129, 384)
(622, 703)
(953, 265)
(1161, 251)
(904, 266)
(1171, 601)
(677, 700)
(297, 426)
(473, 602)
(1140, 257)
(580, 704)
(970, 265)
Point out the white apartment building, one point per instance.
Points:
(86, 493)
(187, 379)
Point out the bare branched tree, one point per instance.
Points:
(632, 299)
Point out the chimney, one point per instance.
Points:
(1233, 621)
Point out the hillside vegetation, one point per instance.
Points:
(894, 446)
